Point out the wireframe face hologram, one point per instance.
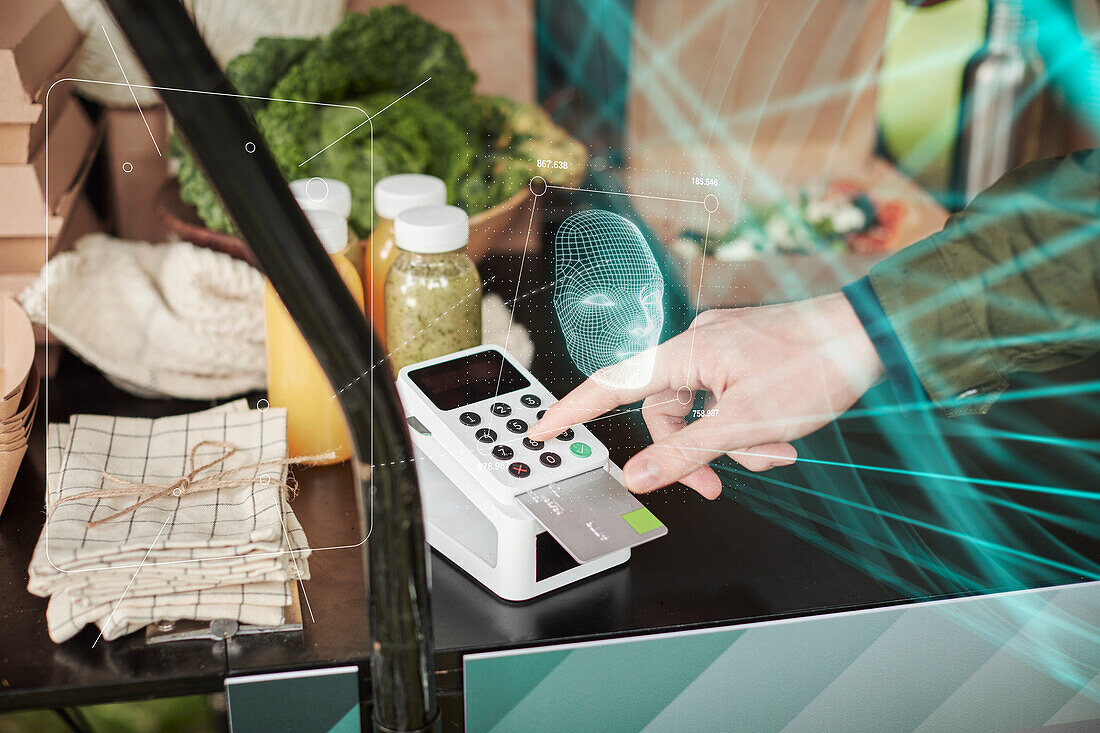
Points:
(608, 297)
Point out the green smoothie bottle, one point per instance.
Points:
(433, 290)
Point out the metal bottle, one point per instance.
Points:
(1001, 104)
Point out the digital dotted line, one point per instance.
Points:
(391, 463)
(411, 338)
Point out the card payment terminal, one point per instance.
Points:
(523, 517)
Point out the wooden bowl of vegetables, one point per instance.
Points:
(372, 69)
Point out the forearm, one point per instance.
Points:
(1011, 283)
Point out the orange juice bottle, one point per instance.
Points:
(392, 195)
(314, 421)
(330, 194)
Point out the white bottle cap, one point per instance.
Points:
(432, 229)
(394, 194)
(331, 229)
(322, 194)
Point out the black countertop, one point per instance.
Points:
(791, 543)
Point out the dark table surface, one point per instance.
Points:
(772, 547)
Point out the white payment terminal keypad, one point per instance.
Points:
(479, 404)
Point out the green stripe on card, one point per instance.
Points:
(642, 520)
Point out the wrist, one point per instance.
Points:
(848, 344)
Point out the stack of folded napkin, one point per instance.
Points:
(182, 517)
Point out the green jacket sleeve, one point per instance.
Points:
(1011, 283)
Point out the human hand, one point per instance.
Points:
(772, 374)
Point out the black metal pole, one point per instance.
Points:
(217, 127)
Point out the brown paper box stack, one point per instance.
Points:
(43, 208)
(37, 41)
(18, 391)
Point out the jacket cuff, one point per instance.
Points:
(907, 388)
(934, 324)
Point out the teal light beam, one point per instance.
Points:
(963, 536)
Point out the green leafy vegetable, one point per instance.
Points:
(484, 148)
(255, 72)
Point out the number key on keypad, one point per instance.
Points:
(550, 460)
(486, 435)
(500, 409)
(517, 426)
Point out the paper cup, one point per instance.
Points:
(17, 428)
(9, 466)
(16, 355)
(24, 412)
(14, 436)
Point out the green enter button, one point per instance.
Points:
(581, 450)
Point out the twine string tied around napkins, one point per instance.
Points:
(191, 482)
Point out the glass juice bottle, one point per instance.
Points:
(433, 291)
(330, 194)
(314, 421)
(392, 195)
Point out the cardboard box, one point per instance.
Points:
(27, 209)
(766, 99)
(36, 41)
(134, 172)
(26, 255)
(23, 128)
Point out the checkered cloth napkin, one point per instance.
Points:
(230, 552)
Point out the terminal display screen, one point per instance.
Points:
(468, 379)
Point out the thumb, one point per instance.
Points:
(673, 458)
